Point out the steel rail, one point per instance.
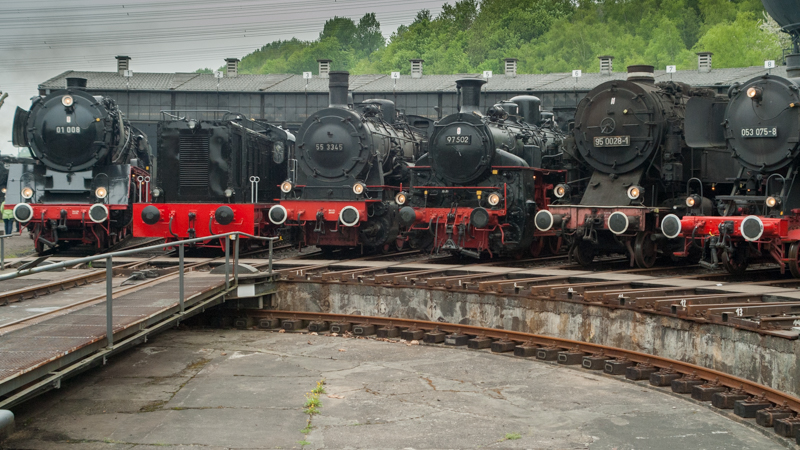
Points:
(730, 381)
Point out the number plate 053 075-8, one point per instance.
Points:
(612, 141)
(459, 140)
(758, 132)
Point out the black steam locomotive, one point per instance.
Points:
(213, 177)
(761, 128)
(87, 169)
(631, 133)
(483, 179)
(349, 163)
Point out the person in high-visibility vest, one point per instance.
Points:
(8, 217)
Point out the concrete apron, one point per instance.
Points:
(767, 360)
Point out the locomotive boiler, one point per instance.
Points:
(761, 129)
(483, 178)
(89, 161)
(213, 177)
(631, 134)
(348, 166)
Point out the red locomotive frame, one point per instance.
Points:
(319, 221)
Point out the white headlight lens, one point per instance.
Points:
(286, 187)
(494, 199)
(400, 199)
(771, 202)
(67, 100)
(358, 188)
(634, 192)
(27, 192)
(4, 190)
(101, 192)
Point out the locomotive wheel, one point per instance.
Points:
(584, 253)
(794, 265)
(645, 250)
(537, 246)
(554, 244)
(736, 262)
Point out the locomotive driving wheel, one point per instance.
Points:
(538, 245)
(554, 244)
(736, 261)
(794, 264)
(645, 250)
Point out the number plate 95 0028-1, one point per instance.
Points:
(612, 141)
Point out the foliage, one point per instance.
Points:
(545, 35)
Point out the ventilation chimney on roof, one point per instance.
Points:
(606, 64)
(123, 64)
(511, 66)
(704, 62)
(416, 68)
(231, 67)
(324, 67)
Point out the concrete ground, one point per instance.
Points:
(18, 244)
(227, 389)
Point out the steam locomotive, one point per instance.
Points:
(213, 177)
(483, 178)
(349, 163)
(631, 133)
(89, 162)
(761, 129)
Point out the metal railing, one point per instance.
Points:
(3, 250)
(109, 258)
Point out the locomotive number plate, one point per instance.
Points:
(68, 130)
(760, 132)
(612, 141)
(459, 140)
(329, 147)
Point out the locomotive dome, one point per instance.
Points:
(763, 122)
(66, 130)
(619, 123)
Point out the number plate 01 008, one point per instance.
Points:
(760, 132)
(459, 140)
(612, 141)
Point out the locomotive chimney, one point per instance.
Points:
(324, 67)
(704, 62)
(231, 67)
(641, 73)
(606, 64)
(123, 64)
(793, 65)
(338, 86)
(511, 67)
(76, 83)
(470, 94)
(416, 68)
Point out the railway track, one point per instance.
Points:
(749, 400)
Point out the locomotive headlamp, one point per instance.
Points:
(192, 124)
(754, 93)
(101, 192)
(400, 198)
(494, 199)
(27, 192)
(634, 192)
(773, 202)
(3, 190)
(359, 188)
(286, 187)
(156, 192)
(692, 200)
(67, 100)
(229, 193)
(561, 190)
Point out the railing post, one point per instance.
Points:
(227, 260)
(109, 306)
(2, 254)
(180, 270)
(270, 256)
(236, 261)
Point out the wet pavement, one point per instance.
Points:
(230, 389)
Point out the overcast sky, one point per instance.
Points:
(40, 39)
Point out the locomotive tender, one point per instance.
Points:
(761, 128)
(631, 133)
(483, 178)
(348, 166)
(88, 162)
(213, 177)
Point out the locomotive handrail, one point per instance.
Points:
(109, 257)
